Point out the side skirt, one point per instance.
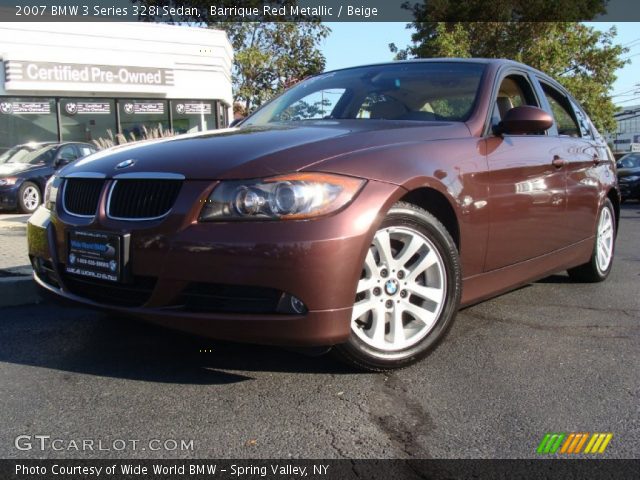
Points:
(490, 284)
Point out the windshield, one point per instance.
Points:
(420, 91)
(28, 154)
(631, 160)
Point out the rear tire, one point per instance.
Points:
(408, 294)
(597, 269)
(29, 197)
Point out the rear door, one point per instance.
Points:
(581, 154)
(527, 192)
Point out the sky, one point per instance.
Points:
(352, 44)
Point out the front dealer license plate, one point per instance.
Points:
(95, 254)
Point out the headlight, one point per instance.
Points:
(295, 196)
(51, 192)
(8, 181)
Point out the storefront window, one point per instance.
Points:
(35, 119)
(87, 119)
(222, 119)
(138, 115)
(26, 119)
(190, 116)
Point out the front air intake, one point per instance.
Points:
(81, 196)
(142, 199)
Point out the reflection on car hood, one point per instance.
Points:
(261, 151)
(7, 169)
(627, 172)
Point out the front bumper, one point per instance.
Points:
(629, 189)
(318, 261)
(9, 197)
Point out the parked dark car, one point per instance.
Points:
(629, 176)
(25, 169)
(360, 209)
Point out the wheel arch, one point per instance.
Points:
(35, 182)
(436, 203)
(614, 195)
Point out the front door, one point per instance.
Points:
(527, 192)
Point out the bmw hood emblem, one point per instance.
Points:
(125, 164)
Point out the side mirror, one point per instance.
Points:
(523, 120)
(59, 162)
(236, 122)
(62, 161)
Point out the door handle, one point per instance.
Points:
(597, 160)
(558, 162)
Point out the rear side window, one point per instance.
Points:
(85, 150)
(562, 112)
(583, 121)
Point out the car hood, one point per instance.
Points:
(252, 152)
(9, 169)
(627, 172)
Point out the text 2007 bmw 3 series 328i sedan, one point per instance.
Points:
(360, 209)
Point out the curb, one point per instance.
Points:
(18, 290)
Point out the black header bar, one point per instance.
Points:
(203, 11)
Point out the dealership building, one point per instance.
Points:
(78, 81)
(627, 135)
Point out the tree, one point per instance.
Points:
(270, 56)
(581, 58)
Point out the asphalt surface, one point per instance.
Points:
(554, 356)
(13, 244)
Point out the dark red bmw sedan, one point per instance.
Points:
(360, 210)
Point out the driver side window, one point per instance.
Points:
(514, 91)
(68, 153)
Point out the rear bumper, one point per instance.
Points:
(318, 262)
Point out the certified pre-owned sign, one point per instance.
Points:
(65, 73)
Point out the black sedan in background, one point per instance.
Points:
(25, 169)
(629, 176)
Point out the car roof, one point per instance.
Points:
(49, 144)
(435, 60)
(498, 62)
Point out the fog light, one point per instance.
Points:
(290, 304)
(36, 262)
(297, 305)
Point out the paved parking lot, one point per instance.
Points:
(550, 357)
(13, 242)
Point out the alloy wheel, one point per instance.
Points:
(31, 198)
(604, 249)
(401, 292)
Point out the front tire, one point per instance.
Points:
(597, 269)
(29, 197)
(408, 293)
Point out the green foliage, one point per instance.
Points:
(304, 110)
(581, 58)
(119, 139)
(270, 56)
